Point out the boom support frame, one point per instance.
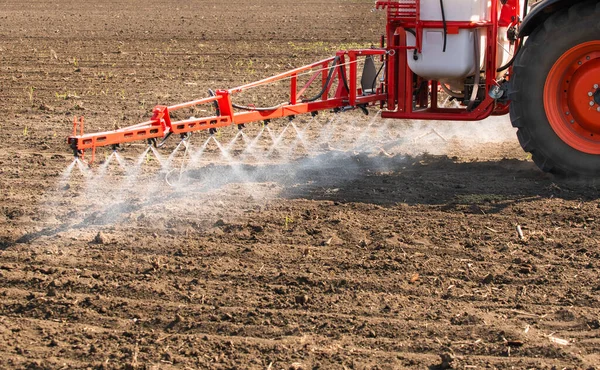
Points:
(341, 69)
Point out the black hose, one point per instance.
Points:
(215, 103)
(420, 88)
(377, 75)
(244, 107)
(445, 25)
(329, 76)
(163, 141)
(343, 77)
(416, 52)
(512, 60)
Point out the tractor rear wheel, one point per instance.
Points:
(555, 92)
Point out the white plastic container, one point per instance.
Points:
(456, 10)
(462, 57)
(456, 63)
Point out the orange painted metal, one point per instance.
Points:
(162, 123)
(572, 95)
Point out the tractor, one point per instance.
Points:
(539, 62)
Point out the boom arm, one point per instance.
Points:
(341, 69)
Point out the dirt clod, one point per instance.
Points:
(488, 279)
(46, 107)
(447, 359)
(296, 366)
(302, 299)
(56, 283)
(100, 238)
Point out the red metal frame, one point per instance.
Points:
(403, 15)
(161, 123)
(396, 95)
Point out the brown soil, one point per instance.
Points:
(402, 256)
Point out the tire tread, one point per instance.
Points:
(525, 65)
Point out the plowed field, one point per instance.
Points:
(403, 255)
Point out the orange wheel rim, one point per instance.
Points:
(572, 97)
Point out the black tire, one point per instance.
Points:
(549, 41)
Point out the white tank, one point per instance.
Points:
(456, 10)
(462, 57)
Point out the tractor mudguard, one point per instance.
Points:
(540, 12)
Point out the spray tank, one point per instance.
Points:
(449, 55)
